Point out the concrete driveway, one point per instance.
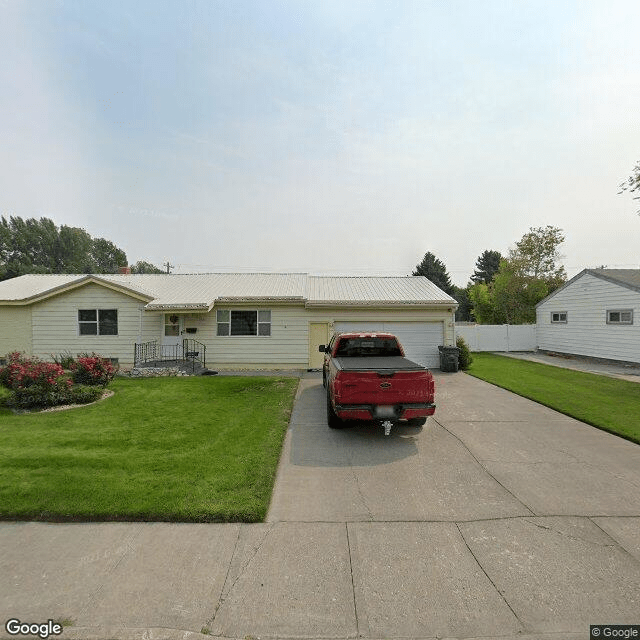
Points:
(498, 519)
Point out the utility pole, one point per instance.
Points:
(168, 266)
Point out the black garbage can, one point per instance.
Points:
(449, 359)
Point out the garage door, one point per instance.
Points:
(419, 339)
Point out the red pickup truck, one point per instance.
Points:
(367, 377)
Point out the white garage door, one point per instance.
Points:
(419, 339)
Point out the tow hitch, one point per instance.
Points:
(387, 424)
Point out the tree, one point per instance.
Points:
(27, 246)
(38, 246)
(483, 304)
(529, 274)
(463, 312)
(145, 267)
(515, 295)
(436, 271)
(73, 251)
(106, 257)
(487, 265)
(632, 183)
(536, 255)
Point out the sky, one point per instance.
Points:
(334, 137)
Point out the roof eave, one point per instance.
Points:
(200, 307)
(415, 304)
(75, 284)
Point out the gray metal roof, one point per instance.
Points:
(629, 278)
(626, 277)
(203, 290)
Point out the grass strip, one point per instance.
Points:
(199, 449)
(606, 403)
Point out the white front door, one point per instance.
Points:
(172, 336)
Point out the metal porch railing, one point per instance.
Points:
(151, 352)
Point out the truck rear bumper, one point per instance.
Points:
(385, 412)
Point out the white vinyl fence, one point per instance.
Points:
(498, 337)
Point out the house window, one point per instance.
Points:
(559, 317)
(243, 323)
(620, 316)
(98, 322)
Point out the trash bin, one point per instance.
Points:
(449, 359)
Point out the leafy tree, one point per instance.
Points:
(528, 275)
(145, 267)
(487, 266)
(27, 246)
(463, 312)
(106, 257)
(484, 309)
(38, 246)
(73, 251)
(632, 183)
(515, 295)
(434, 269)
(536, 255)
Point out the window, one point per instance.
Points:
(98, 322)
(243, 323)
(559, 317)
(620, 316)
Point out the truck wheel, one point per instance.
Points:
(416, 422)
(332, 419)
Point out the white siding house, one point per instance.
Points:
(248, 321)
(596, 314)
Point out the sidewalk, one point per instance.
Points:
(578, 363)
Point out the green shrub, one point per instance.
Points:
(64, 359)
(82, 394)
(464, 355)
(93, 370)
(37, 397)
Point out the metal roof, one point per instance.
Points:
(629, 278)
(626, 277)
(375, 290)
(203, 290)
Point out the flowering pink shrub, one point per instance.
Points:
(35, 383)
(93, 370)
(22, 373)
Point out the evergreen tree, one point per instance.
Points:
(436, 271)
(487, 266)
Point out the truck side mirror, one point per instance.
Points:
(322, 349)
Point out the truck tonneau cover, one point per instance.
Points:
(373, 363)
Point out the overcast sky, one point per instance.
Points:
(312, 136)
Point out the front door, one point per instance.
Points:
(318, 334)
(172, 336)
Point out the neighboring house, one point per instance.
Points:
(245, 320)
(596, 313)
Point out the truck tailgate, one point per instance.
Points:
(384, 386)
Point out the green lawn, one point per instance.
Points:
(199, 449)
(607, 403)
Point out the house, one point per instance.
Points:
(245, 320)
(596, 313)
